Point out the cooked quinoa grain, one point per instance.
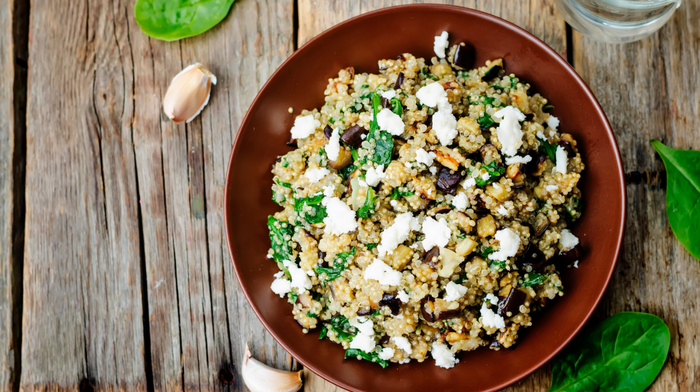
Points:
(437, 236)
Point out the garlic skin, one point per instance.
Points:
(259, 377)
(188, 93)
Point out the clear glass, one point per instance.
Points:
(617, 21)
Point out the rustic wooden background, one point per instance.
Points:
(114, 273)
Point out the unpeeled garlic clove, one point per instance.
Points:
(259, 377)
(188, 93)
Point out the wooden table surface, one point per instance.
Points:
(114, 273)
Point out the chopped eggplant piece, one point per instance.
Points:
(496, 345)
(541, 225)
(445, 310)
(304, 300)
(344, 159)
(328, 131)
(511, 303)
(464, 56)
(533, 258)
(392, 302)
(537, 165)
(399, 81)
(448, 180)
(568, 257)
(493, 70)
(568, 148)
(489, 153)
(353, 136)
(429, 121)
(431, 258)
(384, 340)
(351, 71)
(427, 308)
(386, 104)
(439, 209)
(479, 205)
(450, 261)
(292, 142)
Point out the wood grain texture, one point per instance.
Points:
(538, 17)
(82, 296)
(648, 91)
(6, 193)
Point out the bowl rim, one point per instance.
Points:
(495, 19)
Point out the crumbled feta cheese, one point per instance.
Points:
(374, 175)
(460, 201)
(437, 233)
(502, 210)
(454, 291)
(562, 160)
(389, 94)
(364, 340)
(440, 44)
(488, 317)
(552, 133)
(390, 122)
(431, 94)
(425, 157)
(328, 191)
(333, 146)
(443, 356)
(310, 273)
(469, 183)
(518, 159)
(576, 264)
(492, 299)
(540, 135)
(567, 240)
(552, 122)
(394, 203)
(485, 176)
(362, 183)
(304, 126)
(509, 244)
(509, 133)
(402, 343)
(281, 287)
(363, 136)
(279, 274)
(551, 188)
(386, 353)
(299, 278)
(382, 273)
(414, 246)
(408, 165)
(445, 125)
(340, 218)
(269, 256)
(315, 175)
(402, 296)
(433, 170)
(397, 233)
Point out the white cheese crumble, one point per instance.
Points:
(333, 146)
(502, 210)
(364, 340)
(432, 94)
(315, 175)
(397, 233)
(454, 291)
(402, 343)
(509, 244)
(445, 125)
(402, 296)
(509, 133)
(304, 126)
(299, 278)
(551, 188)
(328, 191)
(386, 353)
(518, 159)
(576, 264)
(488, 317)
(279, 274)
(362, 183)
(485, 176)
(552, 122)
(382, 273)
(440, 44)
(562, 160)
(425, 157)
(469, 183)
(540, 135)
(443, 356)
(281, 287)
(437, 233)
(389, 94)
(374, 175)
(568, 240)
(340, 218)
(390, 122)
(460, 201)
(433, 170)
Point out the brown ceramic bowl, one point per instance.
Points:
(359, 42)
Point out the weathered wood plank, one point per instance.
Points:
(82, 298)
(648, 91)
(199, 321)
(539, 17)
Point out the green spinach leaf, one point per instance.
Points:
(485, 121)
(534, 279)
(316, 213)
(171, 20)
(397, 194)
(281, 238)
(342, 328)
(396, 105)
(623, 353)
(371, 246)
(682, 194)
(494, 171)
(372, 357)
(368, 208)
(548, 148)
(340, 264)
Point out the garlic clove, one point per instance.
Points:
(259, 377)
(188, 93)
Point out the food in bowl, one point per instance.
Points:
(425, 209)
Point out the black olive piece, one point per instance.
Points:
(511, 303)
(384, 340)
(492, 72)
(279, 159)
(428, 312)
(399, 81)
(496, 344)
(541, 224)
(465, 55)
(328, 131)
(447, 314)
(533, 165)
(529, 116)
(431, 258)
(322, 259)
(353, 136)
(448, 181)
(568, 147)
(532, 257)
(568, 257)
(518, 185)
(429, 121)
(392, 302)
(292, 142)
(386, 104)
(364, 312)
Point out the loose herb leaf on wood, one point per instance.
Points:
(171, 20)
(623, 353)
(682, 194)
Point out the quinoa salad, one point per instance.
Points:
(425, 209)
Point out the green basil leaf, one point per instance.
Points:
(682, 194)
(623, 353)
(384, 149)
(534, 279)
(372, 357)
(171, 20)
(316, 213)
(371, 246)
(368, 208)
